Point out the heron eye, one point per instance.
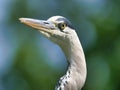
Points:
(61, 26)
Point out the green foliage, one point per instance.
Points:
(98, 26)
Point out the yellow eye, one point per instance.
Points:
(61, 26)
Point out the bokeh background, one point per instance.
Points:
(28, 61)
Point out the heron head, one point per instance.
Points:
(57, 28)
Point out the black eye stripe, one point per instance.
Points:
(67, 22)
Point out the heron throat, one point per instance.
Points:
(75, 76)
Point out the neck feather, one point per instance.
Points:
(77, 65)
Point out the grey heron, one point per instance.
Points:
(59, 30)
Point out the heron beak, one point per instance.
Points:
(45, 27)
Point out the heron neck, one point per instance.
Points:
(76, 59)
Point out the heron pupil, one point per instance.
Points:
(63, 25)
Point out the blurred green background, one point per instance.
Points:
(28, 61)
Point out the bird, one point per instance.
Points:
(60, 31)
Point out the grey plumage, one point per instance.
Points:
(60, 31)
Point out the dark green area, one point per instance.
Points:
(97, 23)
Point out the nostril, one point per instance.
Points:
(45, 22)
